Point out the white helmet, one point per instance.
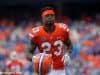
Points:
(13, 56)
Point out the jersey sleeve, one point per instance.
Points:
(33, 34)
(65, 30)
(8, 66)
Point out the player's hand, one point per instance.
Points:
(66, 59)
(33, 58)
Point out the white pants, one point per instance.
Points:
(57, 72)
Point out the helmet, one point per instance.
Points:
(45, 63)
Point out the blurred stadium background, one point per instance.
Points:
(17, 17)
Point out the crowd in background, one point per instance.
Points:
(85, 35)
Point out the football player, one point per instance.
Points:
(52, 37)
(14, 66)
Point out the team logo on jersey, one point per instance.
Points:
(43, 39)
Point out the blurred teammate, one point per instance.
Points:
(14, 67)
(52, 38)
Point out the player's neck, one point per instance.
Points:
(49, 29)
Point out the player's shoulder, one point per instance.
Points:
(36, 29)
(62, 26)
(34, 32)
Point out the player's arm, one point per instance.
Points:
(32, 38)
(68, 43)
(68, 47)
(67, 59)
(7, 69)
(31, 50)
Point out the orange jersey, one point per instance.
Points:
(51, 42)
(14, 67)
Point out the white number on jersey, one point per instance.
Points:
(35, 30)
(46, 46)
(15, 68)
(58, 44)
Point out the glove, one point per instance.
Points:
(66, 59)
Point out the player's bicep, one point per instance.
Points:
(31, 50)
(31, 36)
(32, 43)
(68, 43)
(32, 46)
